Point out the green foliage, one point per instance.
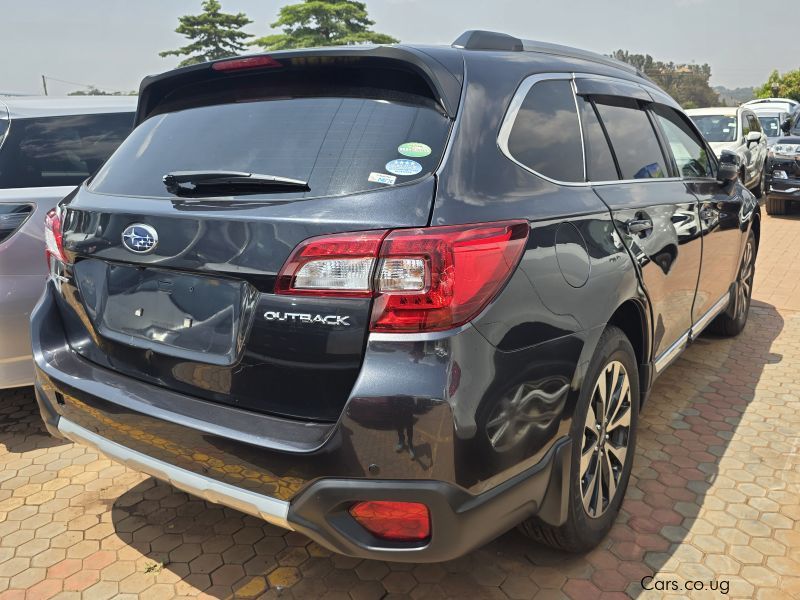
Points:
(788, 86)
(687, 84)
(322, 23)
(215, 34)
(93, 91)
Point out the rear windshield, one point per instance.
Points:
(339, 145)
(59, 151)
(716, 128)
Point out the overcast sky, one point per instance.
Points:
(112, 44)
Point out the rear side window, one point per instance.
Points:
(59, 151)
(339, 145)
(600, 164)
(689, 152)
(632, 137)
(545, 136)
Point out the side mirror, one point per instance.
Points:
(786, 126)
(729, 166)
(753, 137)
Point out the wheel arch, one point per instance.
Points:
(631, 318)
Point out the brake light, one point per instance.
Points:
(246, 62)
(53, 236)
(465, 267)
(396, 521)
(425, 279)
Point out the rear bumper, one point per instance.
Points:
(305, 476)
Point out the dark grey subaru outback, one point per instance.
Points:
(399, 299)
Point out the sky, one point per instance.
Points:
(113, 44)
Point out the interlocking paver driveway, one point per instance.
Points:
(714, 497)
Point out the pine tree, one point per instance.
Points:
(323, 23)
(215, 34)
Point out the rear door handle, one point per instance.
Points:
(637, 226)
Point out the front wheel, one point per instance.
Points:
(603, 443)
(733, 320)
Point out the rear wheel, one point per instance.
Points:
(776, 206)
(733, 320)
(603, 442)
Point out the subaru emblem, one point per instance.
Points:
(140, 238)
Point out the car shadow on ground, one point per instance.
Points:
(685, 430)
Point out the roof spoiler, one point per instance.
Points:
(492, 40)
(444, 84)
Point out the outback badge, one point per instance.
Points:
(332, 320)
(140, 238)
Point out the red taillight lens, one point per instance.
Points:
(397, 521)
(466, 267)
(333, 265)
(53, 236)
(426, 279)
(247, 62)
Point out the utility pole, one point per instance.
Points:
(44, 84)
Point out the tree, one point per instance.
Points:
(323, 23)
(786, 86)
(215, 34)
(687, 84)
(93, 91)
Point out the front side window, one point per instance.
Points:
(753, 122)
(545, 136)
(745, 126)
(689, 152)
(632, 137)
(716, 128)
(59, 151)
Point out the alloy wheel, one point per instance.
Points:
(744, 285)
(606, 434)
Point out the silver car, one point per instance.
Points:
(47, 147)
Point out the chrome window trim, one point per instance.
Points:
(516, 103)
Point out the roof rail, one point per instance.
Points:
(491, 40)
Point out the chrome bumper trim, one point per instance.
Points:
(271, 510)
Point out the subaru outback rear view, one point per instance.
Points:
(398, 299)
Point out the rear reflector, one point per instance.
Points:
(426, 279)
(396, 521)
(53, 236)
(247, 62)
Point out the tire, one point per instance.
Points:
(776, 206)
(761, 188)
(590, 516)
(732, 321)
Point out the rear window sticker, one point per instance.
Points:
(382, 178)
(403, 166)
(414, 149)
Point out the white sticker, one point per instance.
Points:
(382, 178)
(403, 166)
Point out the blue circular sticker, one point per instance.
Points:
(403, 166)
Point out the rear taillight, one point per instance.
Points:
(53, 237)
(426, 279)
(12, 217)
(333, 265)
(396, 521)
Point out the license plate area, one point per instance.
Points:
(196, 317)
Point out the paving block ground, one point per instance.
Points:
(714, 500)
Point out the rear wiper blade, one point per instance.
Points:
(222, 182)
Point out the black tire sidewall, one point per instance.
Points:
(613, 345)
